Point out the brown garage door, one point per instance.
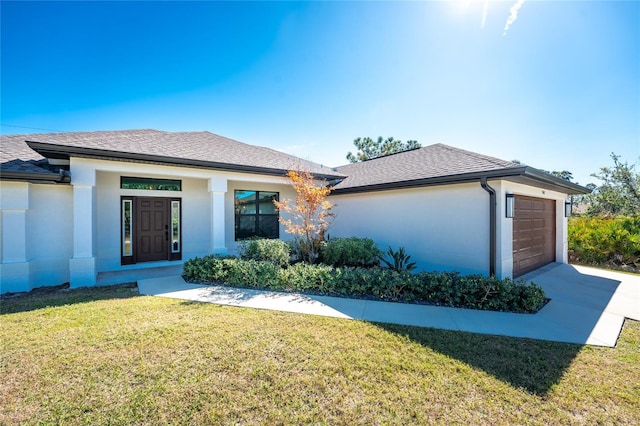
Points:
(534, 234)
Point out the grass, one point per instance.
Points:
(108, 356)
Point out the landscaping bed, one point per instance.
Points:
(435, 288)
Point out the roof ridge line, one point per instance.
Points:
(477, 155)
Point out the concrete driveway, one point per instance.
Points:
(588, 306)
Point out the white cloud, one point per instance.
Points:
(513, 16)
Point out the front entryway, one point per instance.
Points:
(534, 234)
(151, 229)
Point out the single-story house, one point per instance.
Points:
(77, 205)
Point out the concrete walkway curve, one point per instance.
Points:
(588, 306)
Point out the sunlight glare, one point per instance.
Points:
(463, 6)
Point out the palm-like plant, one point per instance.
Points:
(398, 261)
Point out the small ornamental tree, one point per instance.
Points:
(310, 215)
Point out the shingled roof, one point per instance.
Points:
(25, 157)
(195, 149)
(437, 165)
(18, 161)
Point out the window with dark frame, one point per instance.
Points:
(127, 239)
(127, 182)
(256, 215)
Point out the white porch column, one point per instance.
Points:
(562, 226)
(15, 274)
(504, 227)
(82, 266)
(218, 190)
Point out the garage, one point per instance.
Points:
(534, 234)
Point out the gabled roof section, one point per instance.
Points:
(441, 164)
(187, 149)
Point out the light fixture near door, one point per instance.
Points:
(510, 205)
(567, 208)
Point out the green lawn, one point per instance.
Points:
(108, 356)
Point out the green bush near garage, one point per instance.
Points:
(605, 241)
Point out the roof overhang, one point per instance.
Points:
(64, 152)
(538, 178)
(523, 174)
(33, 177)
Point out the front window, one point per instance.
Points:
(127, 182)
(127, 248)
(256, 215)
(175, 226)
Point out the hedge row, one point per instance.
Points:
(437, 288)
(612, 241)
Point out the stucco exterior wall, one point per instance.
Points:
(441, 227)
(50, 234)
(36, 235)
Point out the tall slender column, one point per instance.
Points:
(218, 189)
(562, 223)
(83, 265)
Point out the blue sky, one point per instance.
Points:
(560, 90)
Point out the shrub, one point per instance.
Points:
(268, 250)
(233, 271)
(306, 277)
(253, 274)
(479, 292)
(351, 251)
(385, 284)
(300, 250)
(207, 269)
(355, 281)
(439, 288)
(613, 241)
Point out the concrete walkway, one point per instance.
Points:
(588, 306)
